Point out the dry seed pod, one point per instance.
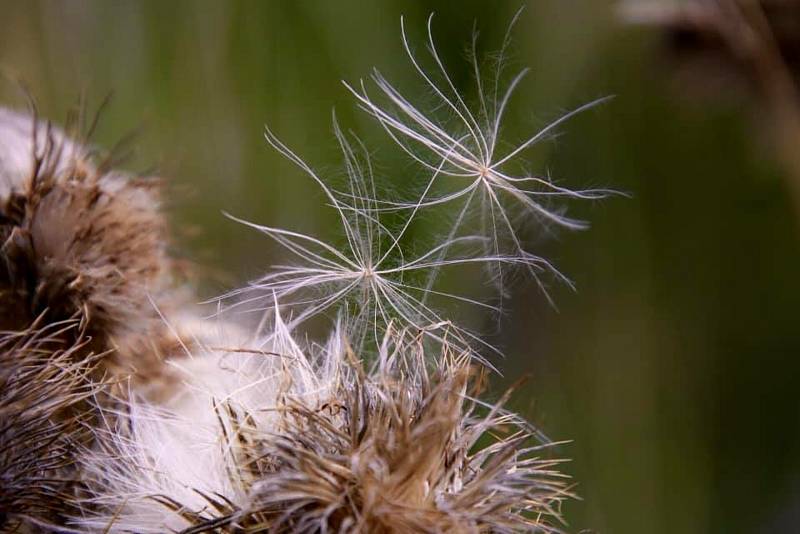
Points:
(42, 416)
(321, 443)
(77, 239)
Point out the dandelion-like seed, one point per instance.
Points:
(469, 151)
(371, 277)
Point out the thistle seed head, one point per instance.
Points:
(327, 443)
(43, 418)
(76, 239)
(211, 427)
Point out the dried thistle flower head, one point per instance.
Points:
(78, 239)
(348, 446)
(390, 453)
(42, 389)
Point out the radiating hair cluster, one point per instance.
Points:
(123, 408)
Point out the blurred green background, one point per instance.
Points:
(674, 368)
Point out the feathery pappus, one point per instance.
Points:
(154, 417)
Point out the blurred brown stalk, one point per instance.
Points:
(759, 39)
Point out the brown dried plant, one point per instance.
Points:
(750, 43)
(388, 447)
(43, 411)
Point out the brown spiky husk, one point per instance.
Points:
(384, 457)
(83, 268)
(398, 449)
(77, 239)
(42, 413)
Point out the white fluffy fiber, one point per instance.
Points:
(182, 447)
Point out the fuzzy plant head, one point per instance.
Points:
(349, 446)
(79, 238)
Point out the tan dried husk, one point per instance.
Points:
(44, 412)
(392, 446)
(80, 240)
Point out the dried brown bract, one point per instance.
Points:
(75, 237)
(391, 448)
(42, 411)
(388, 456)
(719, 48)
